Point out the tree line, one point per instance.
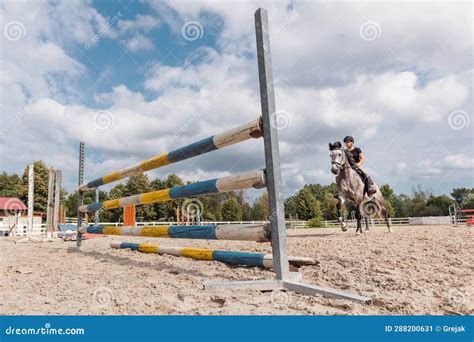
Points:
(314, 202)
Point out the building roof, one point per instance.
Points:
(12, 204)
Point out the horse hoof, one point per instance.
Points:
(367, 231)
(344, 229)
(357, 233)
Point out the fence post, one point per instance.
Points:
(31, 194)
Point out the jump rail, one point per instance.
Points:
(228, 257)
(251, 179)
(249, 130)
(265, 126)
(258, 233)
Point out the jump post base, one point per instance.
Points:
(292, 284)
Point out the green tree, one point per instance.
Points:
(440, 204)
(231, 210)
(464, 197)
(167, 210)
(308, 206)
(390, 198)
(139, 184)
(10, 186)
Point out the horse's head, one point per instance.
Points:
(337, 156)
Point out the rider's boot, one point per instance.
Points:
(370, 186)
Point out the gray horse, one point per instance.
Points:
(350, 187)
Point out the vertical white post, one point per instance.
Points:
(31, 189)
(49, 202)
(57, 200)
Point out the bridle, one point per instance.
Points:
(340, 165)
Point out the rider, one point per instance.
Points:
(356, 159)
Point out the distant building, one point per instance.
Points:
(14, 217)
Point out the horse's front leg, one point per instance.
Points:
(366, 224)
(340, 210)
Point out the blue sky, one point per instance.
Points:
(135, 78)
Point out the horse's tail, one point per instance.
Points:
(371, 207)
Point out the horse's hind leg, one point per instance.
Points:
(385, 215)
(367, 224)
(359, 221)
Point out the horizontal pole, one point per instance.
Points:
(258, 233)
(250, 179)
(228, 257)
(252, 129)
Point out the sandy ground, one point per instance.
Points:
(413, 270)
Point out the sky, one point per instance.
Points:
(133, 79)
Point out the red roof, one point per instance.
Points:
(12, 203)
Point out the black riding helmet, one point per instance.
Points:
(349, 138)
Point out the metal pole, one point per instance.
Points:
(272, 152)
(57, 199)
(79, 193)
(97, 201)
(31, 193)
(49, 201)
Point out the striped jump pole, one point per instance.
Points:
(232, 258)
(258, 233)
(249, 130)
(251, 179)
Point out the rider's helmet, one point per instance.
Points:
(349, 138)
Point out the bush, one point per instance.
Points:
(316, 222)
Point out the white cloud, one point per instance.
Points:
(139, 43)
(143, 23)
(458, 161)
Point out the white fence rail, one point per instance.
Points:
(39, 229)
(290, 224)
(22, 230)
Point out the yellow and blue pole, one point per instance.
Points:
(249, 130)
(251, 179)
(249, 232)
(229, 257)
